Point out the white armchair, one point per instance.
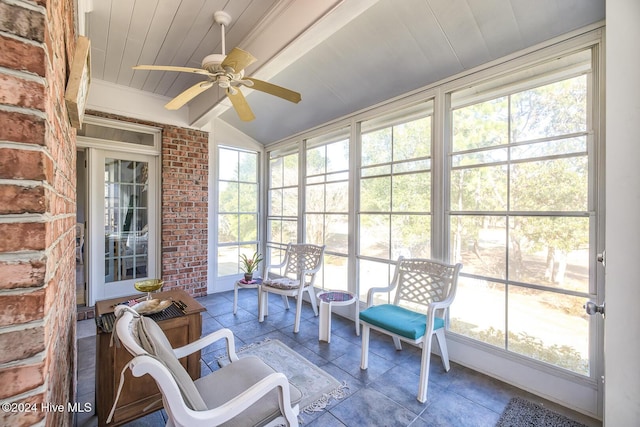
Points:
(301, 263)
(424, 290)
(247, 392)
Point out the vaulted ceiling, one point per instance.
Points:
(342, 56)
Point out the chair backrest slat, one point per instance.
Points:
(422, 281)
(302, 257)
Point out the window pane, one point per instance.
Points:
(228, 261)
(338, 156)
(481, 125)
(550, 185)
(412, 166)
(289, 231)
(374, 274)
(290, 170)
(334, 273)
(376, 147)
(337, 197)
(275, 205)
(410, 236)
(480, 157)
(479, 243)
(412, 139)
(314, 232)
(577, 145)
(228, 164)
(553, 251)
(315, 198)
(282, 231)
(478, 310)
(412, 193)
(290, 202)
(228, 196)
(550, 327)
(550, 110)
(375, 194)
(274, 230)
(248, 228)
(337, 233)
(374, 236)
(248, 198)
(248, 167)
(479, 189)
(227, 228)
(316, 160)
(275, 172)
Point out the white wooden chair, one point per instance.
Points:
(301, 263)
(246, 392)
(424, 291)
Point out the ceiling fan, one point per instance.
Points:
(227, 71)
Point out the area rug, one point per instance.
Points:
(317, 386)
(523, 413)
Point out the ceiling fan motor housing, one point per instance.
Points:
(212, 62)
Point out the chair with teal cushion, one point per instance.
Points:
(424, 290)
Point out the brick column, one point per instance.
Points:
(37, 211)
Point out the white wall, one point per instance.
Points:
(622, 273)
(125, 101)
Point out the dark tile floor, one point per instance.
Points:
(384, 395)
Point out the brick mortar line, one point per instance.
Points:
(26, 183)
(22, 327)
(24, 146)
(21, 39)
(24, 75)
(22, 256)
(41, 389)
(26, 5)
(21, 110)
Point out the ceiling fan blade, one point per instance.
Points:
(188, 95)
(275, 90)
(172, 68)
(238, 59)
(241, 105)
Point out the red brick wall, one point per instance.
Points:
(185, 169)
(37, 211)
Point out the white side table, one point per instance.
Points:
(241, 284)
(329, 299)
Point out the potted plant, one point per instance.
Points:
(249, 265)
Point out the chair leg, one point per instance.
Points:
(285, 301)
(442, 343)
(397, 343)
(263, 300)
(424, 369)
(312, 297)
(364, 356)
(296, 326)
(235, 298)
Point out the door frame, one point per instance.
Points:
(94, 145)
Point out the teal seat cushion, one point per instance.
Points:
(399, 320)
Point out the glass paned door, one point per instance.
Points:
(124, 212)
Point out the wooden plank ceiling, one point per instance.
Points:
(363, 53)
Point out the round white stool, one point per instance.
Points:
(329, 299)
(242, 284)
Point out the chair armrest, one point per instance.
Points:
(372, 291)
(241, 402)
(207, 340)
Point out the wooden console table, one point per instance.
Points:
(140, 393)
